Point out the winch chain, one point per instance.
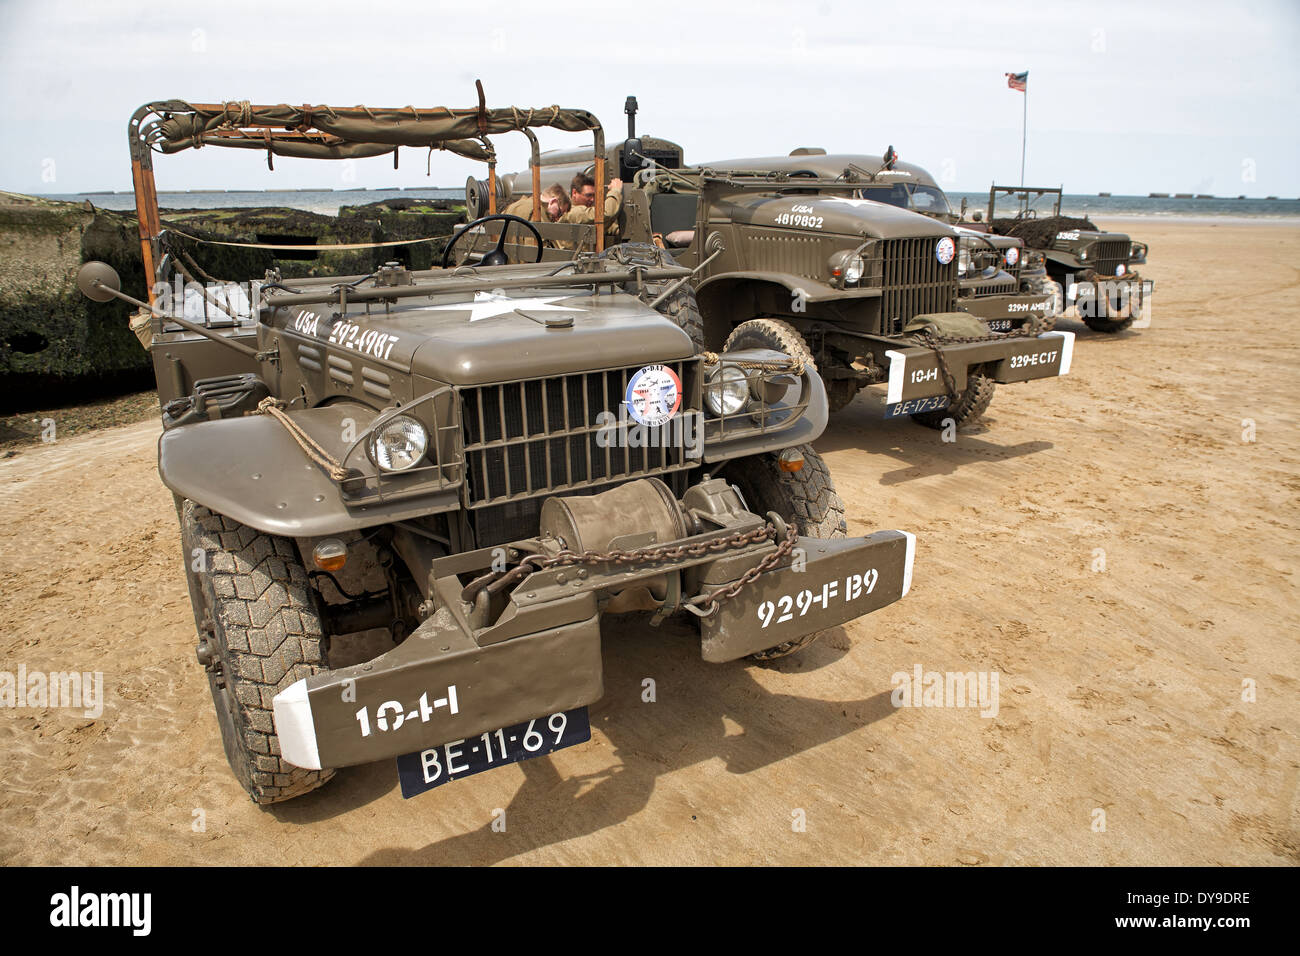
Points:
(709, 603)
(929, 339)
(1032, 328)
(497, 581)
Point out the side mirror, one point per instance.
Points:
(98, 281)
(963, 207)
(632, 160)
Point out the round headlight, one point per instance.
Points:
(853, 270)
(400, 444)
(1119, 269)
(963, 261)
(1013, 256)
(726, 390)
(1083, 255)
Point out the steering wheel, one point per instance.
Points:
(497, 257)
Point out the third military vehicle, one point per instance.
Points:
(1092, 268)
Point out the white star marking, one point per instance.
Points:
(486, 305)
(851, 202)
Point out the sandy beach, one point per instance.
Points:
(1118, 546)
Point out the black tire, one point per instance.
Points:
(1110, 326)
(1114, 306)
(260, 627)
(970, 405)
(682, 308)
(806, 497)
(771, 334)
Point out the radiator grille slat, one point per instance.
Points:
(914, 281)
(1108, 255)
(525, 439)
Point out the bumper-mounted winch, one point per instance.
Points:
(508, 644)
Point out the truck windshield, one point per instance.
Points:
(1031, 203)
(923, 199)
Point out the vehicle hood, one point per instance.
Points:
(501, 335)
(1001, 242)
(833, 214)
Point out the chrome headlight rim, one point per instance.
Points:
(385, 448)
(848, 267)
(723, 383)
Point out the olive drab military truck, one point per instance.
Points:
(473, 464)
(998, 281)
(865, 292)
(1090, 270)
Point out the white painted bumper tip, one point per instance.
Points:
(1067, 348)
(907, 566)
(295, 728)
(897, 373)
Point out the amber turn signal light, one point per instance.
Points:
(790, 460)
(330, 554)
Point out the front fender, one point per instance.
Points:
(252, 470)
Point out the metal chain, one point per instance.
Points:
(931, 341)
(1032, 328)
(709, 603)
(496, 582)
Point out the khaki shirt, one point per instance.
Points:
(587, 214)
(523, 208)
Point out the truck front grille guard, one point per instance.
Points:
(1107, 254)
(913, 281)
(544, 435)
(758, 417)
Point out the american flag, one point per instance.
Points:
(1018, 81)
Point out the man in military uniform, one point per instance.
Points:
(554, 205)
(583, 194)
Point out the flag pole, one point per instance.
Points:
(1024, 125)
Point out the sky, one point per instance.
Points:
(1124, 97)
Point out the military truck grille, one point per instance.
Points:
(1107, 254)
(1003, 286)
(539, 436)
(914, 282)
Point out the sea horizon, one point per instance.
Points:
(328, 202)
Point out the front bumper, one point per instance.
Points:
(1003, 313)
(1118, 298)
(449, 681)
(914, 372)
